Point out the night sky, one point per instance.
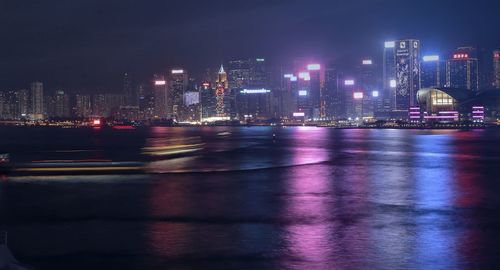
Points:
(86, 45)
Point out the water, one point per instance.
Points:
(305, 198)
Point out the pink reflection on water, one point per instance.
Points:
(308, 200)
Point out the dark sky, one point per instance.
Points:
(88, 44)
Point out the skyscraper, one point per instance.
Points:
(407, 74)
(37, 111)
(433, 72)
(330, 92)
(221, 93)
(61, 104)
(130, 98)
(160, 97)
(462, 69)
(83, 106)
(496, 69)
(178, 84)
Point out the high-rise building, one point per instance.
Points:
(207, 100)
(178, 84)
(407, 74)
(496, 69)
(162, 110)
(130, 97)
(330, 97)
(99, 105)
(433, 72)
(462, 69)
(239, 74)
(161, 106)
(222, 93)
(37, 103)
(389, 66)
(83, 106)
(62, 108)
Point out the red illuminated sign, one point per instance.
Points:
(460, 56)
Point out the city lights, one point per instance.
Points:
(303, 93)
(349, 82)
(299, 114)
(375, 93)
(429, 58)
(390, 44)
(177, 71)
(160, 82)
(312, 67)
(288, 76)
(255, 91)
(367, 62)
(392, 83)
(357, 95)
(303, 75)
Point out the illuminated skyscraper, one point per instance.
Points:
(389, 64)
(330, 93)
(130, 98)
(178, 84)
(496, 69)
(37, 111)
(462, 69)
(407, 74)
(161, 108)
(433, 72)
(221, 93)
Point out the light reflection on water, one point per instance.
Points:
(306, 198)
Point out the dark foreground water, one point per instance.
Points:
(311, 198)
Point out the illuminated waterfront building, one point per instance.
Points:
(161, 108)
(330, 97)
(462, 69)
(177, 86)
(496, 69)
(37, 103)
(222, 93)
(433, 72)
(407, 74)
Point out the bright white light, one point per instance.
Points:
(392, 83)
(288, 76)
(299, 114)
(349, 82)
(160, 82)
(293, 79)
(367, 62)
(260, 60)
(375, 93)
(429, 58)
(358, 95)
(303, 93)
(313, 67)
(390, 44)
(177, 71)
(255, 91)
(304, 75)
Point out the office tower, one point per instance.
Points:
(207, 100)
(128, 92)
(23, 102)
(37, 102)
(162, 110)
(99, 105)
(9, 108)
(330, 93)
(368, 84)
(239, 74)
(349, 88)
(407, 74)
(2, 105)
(178, 84)
(62, 108)
(83, 106)
(462, 69)
(433, 72)
(222, 93)
(288, 94)
(315, 89)
(496, 69)
(259, 77)
(389, 66)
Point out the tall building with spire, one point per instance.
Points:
(221, 92)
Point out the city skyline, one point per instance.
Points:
(91, 50)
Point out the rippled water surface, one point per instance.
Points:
(257, 198)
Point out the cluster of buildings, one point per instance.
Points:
(406, 85)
